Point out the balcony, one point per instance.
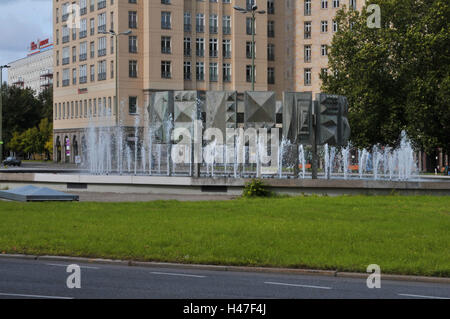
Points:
(187, 52)
(65, 17)
(188, 76)
(83, 79)
(213, 53)
(165, 50)
(200, 52)
(101, 5)
(213, 77)
(226, 30)
(213, 29)
(65, 82)
(83, 11)
(200, 28)
(271, 57)
(271, 33)
(65, 39)
(102, 28)
(102, 76)
(227, 54)
(83, 34)
(101, 52)
(187, 27)
(307, 35)
(65, 61)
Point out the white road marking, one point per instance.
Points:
(295, 285)
(34, 296)
(60, 265)
(175, 274)
(421, 296)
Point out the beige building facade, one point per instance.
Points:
(177, 45)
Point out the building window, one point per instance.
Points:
(102, 46)
(213, 72)
(165, 70)
(324, 50)
(249, 26)
(335, 26)
(226, 24)
(165, 20)
(307, 53)
(307, 26)
(324, 26)
(213, 47)
(226, 72)
(352, 4)
(187, 46)
(102, 22)
(324, 4)
(307, 7)
(213, 23)
(271, 29)
(165, 45)
(271, 52)
(132, 68)
(132, 19)
(336, 4)
(226, 47)
(132, 104)
(307, 77)
(249, 49)
(200, 47)
(187, 70)
(271, 75)
(132, 44)
(101, 70)
(249, 74)
(187, 22)
(92, 73)
(271, 6)
(200, 22)
(83, 74)
(200, 71)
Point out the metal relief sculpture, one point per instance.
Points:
(260, 109)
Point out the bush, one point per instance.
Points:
(256, 188)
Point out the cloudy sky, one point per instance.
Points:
(22, 22)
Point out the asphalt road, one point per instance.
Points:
(36, 279)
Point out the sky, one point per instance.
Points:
(22, 22)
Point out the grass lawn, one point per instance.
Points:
(404, 235)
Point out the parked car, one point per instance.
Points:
(12, 161)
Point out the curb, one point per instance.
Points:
(293, 271)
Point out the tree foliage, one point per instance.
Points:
(27, 125)
(396, 77)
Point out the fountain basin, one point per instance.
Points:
(220, 185)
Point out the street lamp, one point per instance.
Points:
(253, 11)
(1, 110)
(112, 33)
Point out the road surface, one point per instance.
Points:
(38, 279)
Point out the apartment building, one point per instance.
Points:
(35, 71)
(176, 45)
(315, 28)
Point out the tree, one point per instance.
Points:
(27, 120)
(396, 77)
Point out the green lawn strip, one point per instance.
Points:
(404, 235)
